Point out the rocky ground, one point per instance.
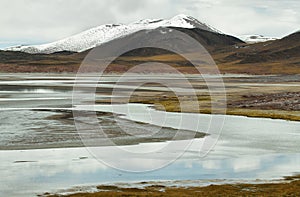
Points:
(288, 101)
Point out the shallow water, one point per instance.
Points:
(268, 135)
(246, 149)
(36, 171)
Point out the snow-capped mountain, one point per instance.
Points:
(251, 39)
(105, 33)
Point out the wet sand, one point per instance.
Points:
(57, 130)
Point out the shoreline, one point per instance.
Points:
(250, 113)
(283, 187)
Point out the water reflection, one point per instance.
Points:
(37, 171)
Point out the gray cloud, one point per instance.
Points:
(41, 21)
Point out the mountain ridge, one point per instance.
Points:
(104, 33)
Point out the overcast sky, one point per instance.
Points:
(42, 21)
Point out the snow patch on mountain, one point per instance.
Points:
(105, 33)
(251, 39)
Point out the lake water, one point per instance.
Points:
(246, 149)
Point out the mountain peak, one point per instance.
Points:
(181, 16)
(107, 32)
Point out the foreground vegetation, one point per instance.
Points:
(289, 187)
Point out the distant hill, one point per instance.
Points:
(285, 49)
(231, 54)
